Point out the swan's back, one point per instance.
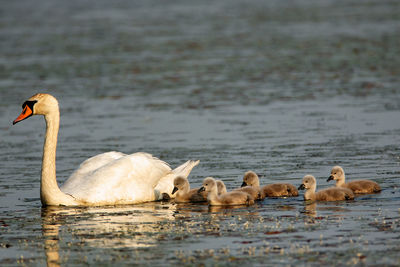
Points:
(192, 196)
(252, 191)
(232, 198)
(363, 186)
(334, 194)
(90, 165)
(279, 190)
(195, 196)
(127, 179)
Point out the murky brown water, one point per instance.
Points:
(281, 88)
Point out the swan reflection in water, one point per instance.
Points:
(121, 227)
(106, 227)
(311, 209)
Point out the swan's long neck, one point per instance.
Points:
(182, 192)
(212, 196)
(341, 181)
(310, 193)
(257, 183)
(50, 193)
(186, 188)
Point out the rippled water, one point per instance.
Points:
(284, 88)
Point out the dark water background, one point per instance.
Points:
(284, 88)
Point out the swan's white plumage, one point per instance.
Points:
(90, 165)
(127, 179)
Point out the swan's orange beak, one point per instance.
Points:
(26, 113)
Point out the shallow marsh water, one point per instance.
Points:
(284, 88)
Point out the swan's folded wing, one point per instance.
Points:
(90, 165)
(128, 179)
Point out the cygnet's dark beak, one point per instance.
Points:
(330, 178)
(243, 184)
(302, 187)
(175, 189)
(201, 189)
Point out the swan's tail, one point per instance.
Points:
(185, 169)
(166, 184)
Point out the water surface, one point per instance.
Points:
(284, 88)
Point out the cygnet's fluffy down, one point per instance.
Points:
(250, 178)
(185, 194)
(329, 194)
(279, 190)
(252, 191)
(229, 198)
(221, 187)
(358, 186)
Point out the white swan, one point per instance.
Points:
(106, 179)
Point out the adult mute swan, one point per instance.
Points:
(106, 179)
